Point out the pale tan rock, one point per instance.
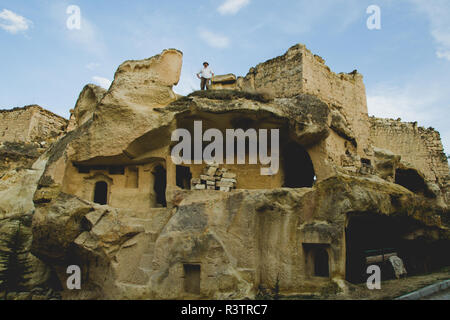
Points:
(146, 83)
(89, 98)
(399, 267)
(153, 265)
(229, 175)
(207, 178)
(17, 189)
(220, 82)
(156, 239)
(225, 184)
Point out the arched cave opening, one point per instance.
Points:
(316, 259)
(101, 193)
(370, 240)
(298, 167)
(160, 185)
(411, 180)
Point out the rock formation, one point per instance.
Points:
(26, 134)
(106, 196)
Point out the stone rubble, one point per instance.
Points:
(215, 178)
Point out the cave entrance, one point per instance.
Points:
(184, 177)
(370, 240)
(160, 185)
(317, 260)
(411, 180)
(298, 167)
(101, 193)
(192, 278)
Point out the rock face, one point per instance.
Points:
(89, 98)
(399, 268)
(226, 81)
(26, 134)
(108, 197)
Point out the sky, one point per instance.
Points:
(46, 59)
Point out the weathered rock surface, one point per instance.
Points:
(243, 238)
(226, 81)
(156, 239)
(17, 188)
(89, 98)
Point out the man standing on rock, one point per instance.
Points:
(205, 75)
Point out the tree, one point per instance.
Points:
(14, 268)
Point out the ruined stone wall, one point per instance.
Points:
(282, 76)
(299, 71)
(30, 124)
(15, 124)
(344, 92)
(420, 147)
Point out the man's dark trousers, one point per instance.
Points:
(205, 83)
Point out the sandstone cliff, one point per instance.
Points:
(107, 197)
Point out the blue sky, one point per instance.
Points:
(406, 64)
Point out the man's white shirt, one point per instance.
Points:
(206, 73)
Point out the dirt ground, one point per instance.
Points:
(389, 289)
(394, 288)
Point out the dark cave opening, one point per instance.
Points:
(101, 193)
(411, 180)
(192, 278)
(370, 236)
(317, 260)
(183, 177)
(160, 185)
(298, 167)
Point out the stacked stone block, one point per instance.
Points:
(215, 178)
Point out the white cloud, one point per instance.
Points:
(102, 82)
(214, 40)
(92, 65)
(410, 103)
(443, 55)
(232, 6)
(13, 23)
(438, 12)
